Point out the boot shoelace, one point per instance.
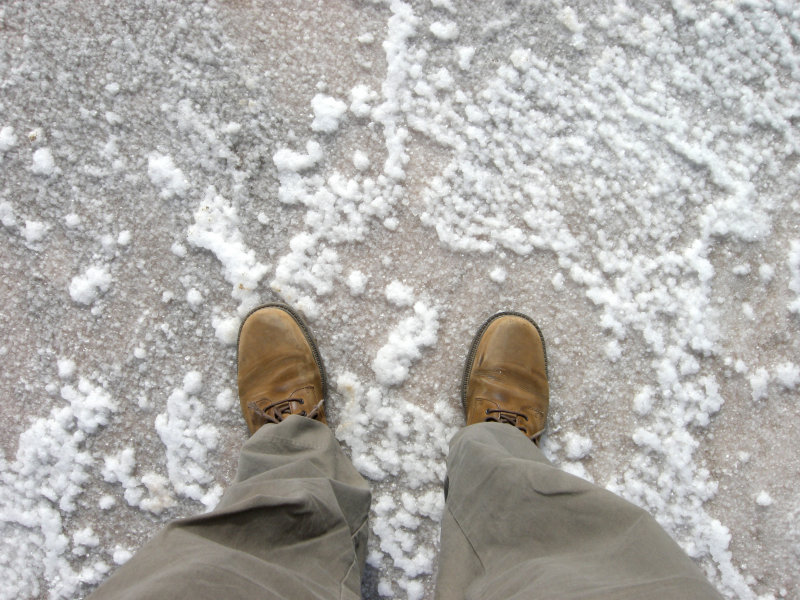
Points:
(510, 417)
(275, 412)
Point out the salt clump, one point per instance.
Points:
(577, 446)
(87, 287)
(399, 294)
(165, 175)
(215, 228)
(43, 163)
(447, 31)
(328, 112)
(288, 160)
(498, 274)
(394, 359)
(7, 139)
(356, 282)
(764, 499)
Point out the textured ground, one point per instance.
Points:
(625, 173)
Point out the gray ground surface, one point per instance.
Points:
(634, 174)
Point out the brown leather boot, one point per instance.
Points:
(505, 378)
(280, 369)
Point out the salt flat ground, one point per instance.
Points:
(626, 173)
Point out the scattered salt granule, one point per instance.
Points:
(34, 231)
(121, 555)
(124, 237)
(328, 111)
(224, 401)
(447, 31)
(66, 368)
(766, 272)
(361, 100)
(498, 274)
(558, 281)
(759, 381)
(166, 176)
(356, 282)
(178, 249)
(194, 297)
(87, 287)
(72, 220)
(289, 160)
(226, 329)
(465, 54)
(106, 501)
(399, 294)
(764, 499)
(787, 374)
(613, 350)
(193, 382)
(360, 160)
(7, 139)
(366, 38)
(112, 89)
(43, 163)
(7, 217)
(576, 446)
(643, 401)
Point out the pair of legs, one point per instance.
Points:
(293, 524)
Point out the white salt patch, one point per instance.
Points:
(178, 249)
(193, 382)
(613, 350)
(112, 89)
(764, 499)
(444, 30)
(404, 347)
(399, 294)
(366, 38)
(787, 375)
(87, 287)
(465, 54)
(558, 281)
(498, 274)
(215, 228)
(226, 329)
(139, 353)
(569, 19)
(7, 217)
(7, 139)
(72, 220)
(328, 111)
(262, 218)
(290, 161)
(360, 160)
(442, 80)
(34, 231)
(167, 297)
(165, 175)
(124, 237)
(113, 118)
(121, 555)
(766, 272)
(357, 282)
(85, 537)
(106, 502)
(361, 100)
(188, 439)
(224, 401)
(643, 401)
(194, 297)
(577, 446)
(43, 163)
(66, 368)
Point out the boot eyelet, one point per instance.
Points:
(302, 413)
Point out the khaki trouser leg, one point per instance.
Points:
(516, 527)
(292, 525)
